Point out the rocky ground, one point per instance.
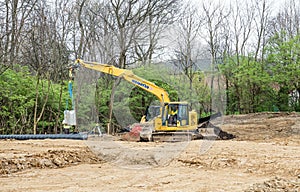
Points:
(264, 156)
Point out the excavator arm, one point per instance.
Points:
(129, 76)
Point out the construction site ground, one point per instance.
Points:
(264, 156)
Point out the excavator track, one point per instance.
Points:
(179, 136)
(206, 133)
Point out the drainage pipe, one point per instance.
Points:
(45, 136)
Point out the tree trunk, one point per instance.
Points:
(227, 95)
(111, 103)
(37, 119)
(36, 104)
(59, 107)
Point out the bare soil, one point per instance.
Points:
(264, 156)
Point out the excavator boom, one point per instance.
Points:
(129, 76)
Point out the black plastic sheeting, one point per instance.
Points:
(45, 136)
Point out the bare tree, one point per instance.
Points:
(188, 48)
(80, 50)
(287, 19)
(37, 56)
(241, 22)
(45, 51)
(13, 20)
(129, 24)
(242, 17)
(263, 12)
(60, 32)
(215, 15)
(159, 19)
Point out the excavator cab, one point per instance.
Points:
(175, 114)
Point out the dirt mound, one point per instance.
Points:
(276, 184)
(49, 158)
(264, 126)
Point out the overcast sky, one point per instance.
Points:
(276, 4)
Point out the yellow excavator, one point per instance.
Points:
(173, 122)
